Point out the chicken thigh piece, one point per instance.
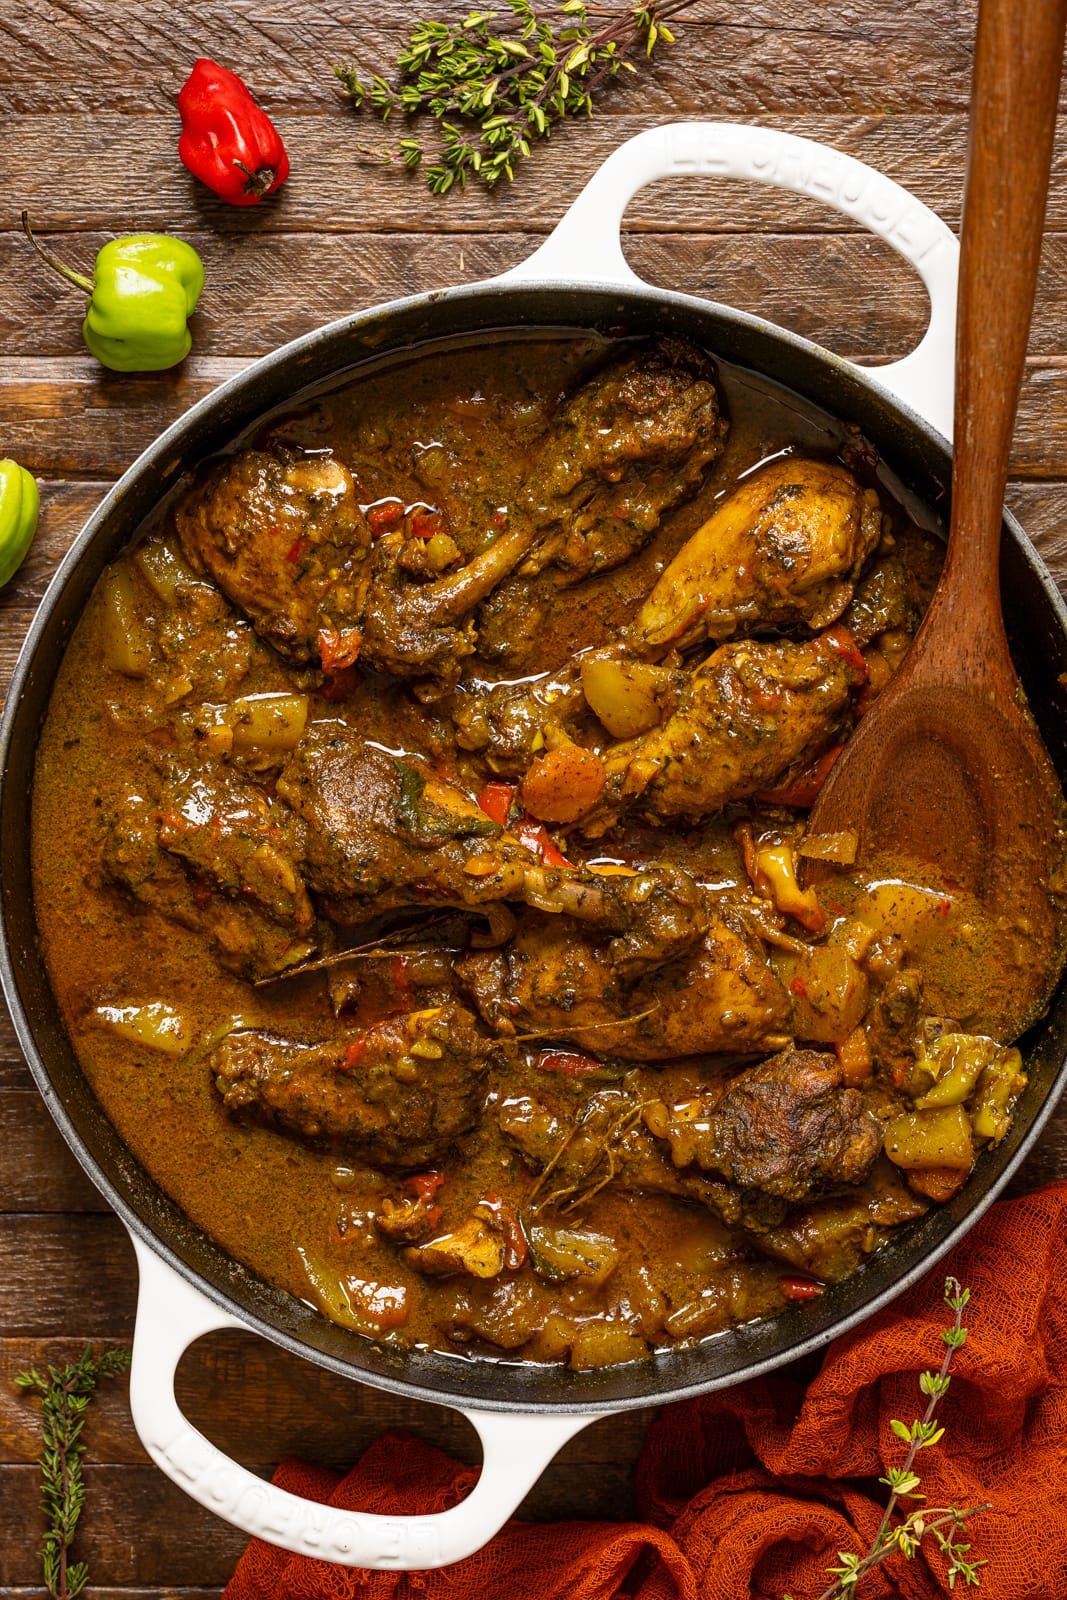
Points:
(750, 713)
(785, 548)
(209, 849)
(632, 442)
(283, 536)
(560, 980)
(397, 1094)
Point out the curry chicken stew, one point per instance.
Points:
(419, 829)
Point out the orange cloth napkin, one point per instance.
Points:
(751, 1491)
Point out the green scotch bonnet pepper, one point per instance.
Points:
(19, 507)
(143, 290)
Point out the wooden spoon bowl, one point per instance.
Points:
(946, 774)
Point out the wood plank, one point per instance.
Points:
(54, 159)
(262, 289)
(751, 61)
(109, 1432)
(850, 292)
(139, 1528)
(14, 1073)
(127, 1592)
(69, 415)
(66, 1276)
(260, 1403)
(39, 1173)
(1042, 510)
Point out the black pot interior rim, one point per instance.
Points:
(552, 1390)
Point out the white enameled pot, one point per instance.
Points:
(584, 250)
(190, 1286)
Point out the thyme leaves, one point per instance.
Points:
(498, 82)
(65, 1394)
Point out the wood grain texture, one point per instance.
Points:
(87, 97)
(177, 1536)
(138, 1528)
(344, 190)
(260, 1404)
(753, 59)
(39, 1173)
(99, 1591)
(853, 294)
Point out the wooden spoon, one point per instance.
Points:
(947, 773)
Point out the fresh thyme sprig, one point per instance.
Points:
(65, 1394)
(498, 82)
(945, 1523)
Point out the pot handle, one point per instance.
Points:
(585, 246)
(172, 1314)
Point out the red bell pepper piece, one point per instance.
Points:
(515, 1247)
(425, 522)
(495, 800)
(799, 1288)
(355, 1050)
(399, 976)
(573, 1062)
(424, 1185)
(339, 648)
(840, 641)
(383, 515)
(227, 141)
(535, 836)
(804, 789)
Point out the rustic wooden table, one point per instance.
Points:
(87, 90)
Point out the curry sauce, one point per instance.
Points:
(417, 835)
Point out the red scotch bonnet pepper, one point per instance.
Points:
(227, 141)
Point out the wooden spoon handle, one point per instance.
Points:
(1018, 58)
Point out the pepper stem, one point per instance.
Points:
(77, 278)
(258, 182)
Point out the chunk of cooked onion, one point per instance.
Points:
(839, 847)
